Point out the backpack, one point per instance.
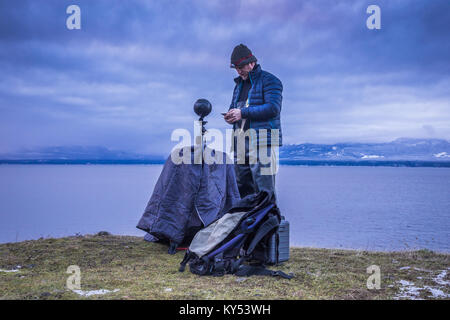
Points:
(238, 242)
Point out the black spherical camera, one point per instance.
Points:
(202, 108)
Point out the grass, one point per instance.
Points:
(142, 270)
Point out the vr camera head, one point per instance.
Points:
(202, 107)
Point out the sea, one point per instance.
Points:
(379, 208)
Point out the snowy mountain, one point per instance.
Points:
(399, 149)
(402, 149)
(72, 153)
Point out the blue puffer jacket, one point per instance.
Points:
(264, 107)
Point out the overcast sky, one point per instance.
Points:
(132, 73)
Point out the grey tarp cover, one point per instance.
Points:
(185, 193)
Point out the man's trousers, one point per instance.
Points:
(256, 173)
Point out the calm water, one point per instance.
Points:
(372, 208)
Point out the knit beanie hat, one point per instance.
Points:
(241, 56)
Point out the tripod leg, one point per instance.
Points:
(173, 247)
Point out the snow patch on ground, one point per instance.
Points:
(17, 269)
(409, 291)
(94, 292)
(437, 293)
(404, 268)
(440, 278)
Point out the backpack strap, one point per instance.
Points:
(277, 248)
(219, 265)
(264, 229)
(235, 264)
(248, 270)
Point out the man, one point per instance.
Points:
(256, 105)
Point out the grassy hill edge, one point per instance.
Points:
(131, 268)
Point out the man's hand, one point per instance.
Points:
(232, 116)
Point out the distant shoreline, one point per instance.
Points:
(371, 163)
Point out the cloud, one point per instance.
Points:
(132, 73)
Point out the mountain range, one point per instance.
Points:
(401, 149)
(76, 153)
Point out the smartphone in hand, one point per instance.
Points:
(223, 113)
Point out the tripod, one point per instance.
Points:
(202, 108)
